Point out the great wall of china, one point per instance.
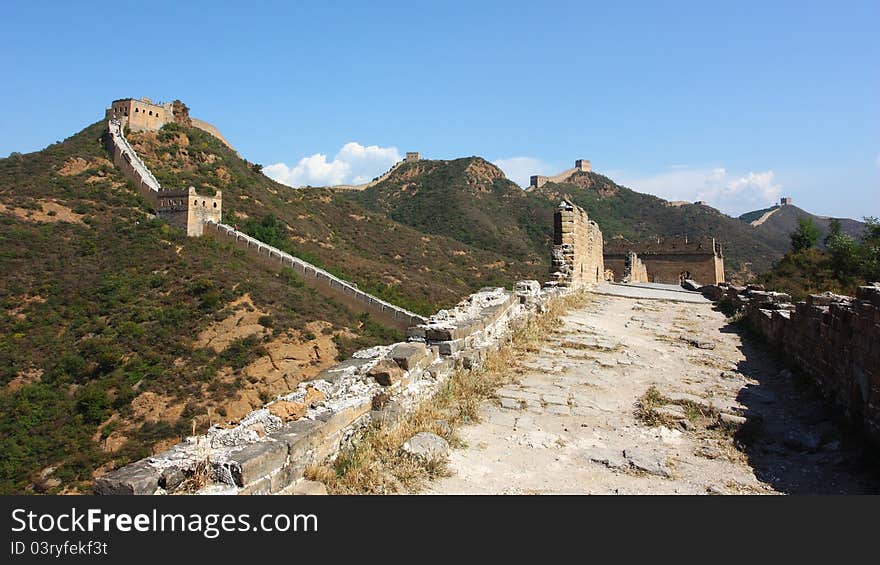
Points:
(833, 339)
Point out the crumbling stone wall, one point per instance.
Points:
(576, 256)
(268, 451)
(834, 339)
(634, 270)
(671, 260)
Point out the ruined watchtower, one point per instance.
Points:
(412, 156)
(786, 201)
(583, 165)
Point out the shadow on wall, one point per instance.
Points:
(793, 439)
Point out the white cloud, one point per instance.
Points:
(519, 169)
(729, 193)
(353, 164)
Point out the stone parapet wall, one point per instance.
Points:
(576, 257)
(319, 279)
(834, 339)
(267, 452)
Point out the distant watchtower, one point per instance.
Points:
(583, 165)
(786, 201)
(412, 156)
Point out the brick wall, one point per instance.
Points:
(834, 339)
(576, 257)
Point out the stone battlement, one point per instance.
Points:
(670, 260)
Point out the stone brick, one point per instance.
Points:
(257, 460)
(138, 478)
(386, 372)
(411, 355)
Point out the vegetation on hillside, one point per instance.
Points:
(101, 309)
(844, 264)
(421, 270)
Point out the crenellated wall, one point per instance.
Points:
(834, 339)
(576, 256)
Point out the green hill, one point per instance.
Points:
(784, 220)
(470, 200)
(119, 335)
(625, 214)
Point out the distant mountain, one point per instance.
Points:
(470, 200)
(777, 222)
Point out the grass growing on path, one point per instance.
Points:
(376, 464)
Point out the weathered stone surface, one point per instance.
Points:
(510, 404)
(698, 343)
(260, 487)
(611, 458)
(731, 419)
(427, 447)
(300, 437)
(309, 488)
(257, 460)
(171, 478)
(671, 412)
(288, 410)
(411, 355)
(313, 396)
(137, 478)
(386, 372)
(651, 463)
(390, 413)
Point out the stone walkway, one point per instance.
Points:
(724, 417)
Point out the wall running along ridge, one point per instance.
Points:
(319, 279)
(576, 257)
(834, 339)
(671, 260)
(268, 451)
(185, 209)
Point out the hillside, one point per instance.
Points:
(625, 214)
(784, 219)
(471, 201)
(119, 334)
(418, 269)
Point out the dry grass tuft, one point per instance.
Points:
(376, 465)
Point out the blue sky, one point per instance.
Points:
(735, 103)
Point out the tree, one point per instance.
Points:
(834, 231)
(805, 236)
